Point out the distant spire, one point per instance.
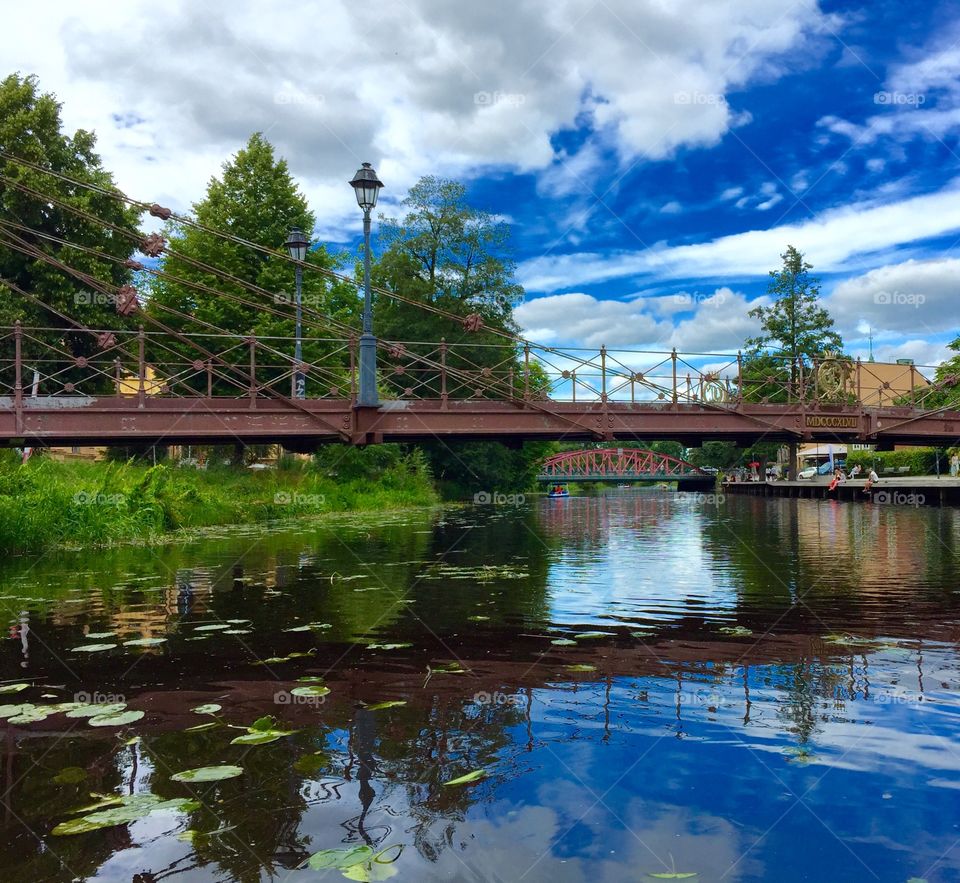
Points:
(870, 338)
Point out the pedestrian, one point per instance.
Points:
(872, 478)
(954, 465)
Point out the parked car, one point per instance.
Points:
(822, 469)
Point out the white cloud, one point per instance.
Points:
(415, 87)
(912, 297)
(832, 241)
(719, 321)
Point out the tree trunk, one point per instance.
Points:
(792, 449)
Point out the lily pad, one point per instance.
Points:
(210, 708)
(563, 642)
(32, 715)
(467, 779)
(212, 627)
(340, 858)
(70, 775)
(259, 738)
(387, 646)
(311, 764)
(13, 688)
(478, 618)
(144, 642)
(98, 636)
(580, 667)
(132, 808)
(8, 711)
(310, 690)
(590, 636)
(389, 703)
(92, 648)
(116, 719)
(237, 632)
(210, 725)
(208, 774)
(95, 710)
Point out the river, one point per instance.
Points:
(651, 684)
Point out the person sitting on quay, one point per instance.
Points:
(856, 471)
(872, 479)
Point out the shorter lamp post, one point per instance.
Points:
(297, 246)
(367, 186)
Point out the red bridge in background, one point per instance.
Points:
(619, 464)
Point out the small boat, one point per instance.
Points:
(559, 490)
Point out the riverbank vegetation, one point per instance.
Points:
(45, 503)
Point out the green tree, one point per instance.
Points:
(447, 254)
(31, 128)
(795, 331)
(255, 199)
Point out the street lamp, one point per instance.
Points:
(367, 186)
(297, 244)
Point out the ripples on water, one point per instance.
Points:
(759, 690)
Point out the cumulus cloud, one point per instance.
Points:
(715, 322)
(912, 297)
(415, 87)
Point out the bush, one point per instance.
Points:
(918, 461)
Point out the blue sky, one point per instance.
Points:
(654, 159)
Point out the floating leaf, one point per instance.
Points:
(312, 690)
(478, 618)
(370, 872)
(7, 711)
(260, 737)
(33, 714)
(92, 648)
(589, 636)
(390, 703)
(387, 646)
(211, 708)
(208, 774)
(237, 632)
(311, 764)
(13, 688)
(211, 627)
(738, 631)
(563, 642)
(310, 679)
(94, 710)
(144, 642)
(99, 635)
(340, 858)
(116, 719)
(210, 725)
(475, 776)
(580, 667)
(642, 634)
(133, 807)
(237, 621)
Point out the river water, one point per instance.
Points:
(748, 689)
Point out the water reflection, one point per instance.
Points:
(762, 689)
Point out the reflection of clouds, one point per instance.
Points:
(528, 842)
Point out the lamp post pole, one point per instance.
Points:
(367, 186)
(297, 244)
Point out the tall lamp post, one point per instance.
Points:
(367, 186)
(297, 244)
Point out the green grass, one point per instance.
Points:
(46, 503)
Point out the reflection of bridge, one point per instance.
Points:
(619, 464)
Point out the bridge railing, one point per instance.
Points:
(52, 362)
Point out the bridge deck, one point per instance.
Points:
(123, 419)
